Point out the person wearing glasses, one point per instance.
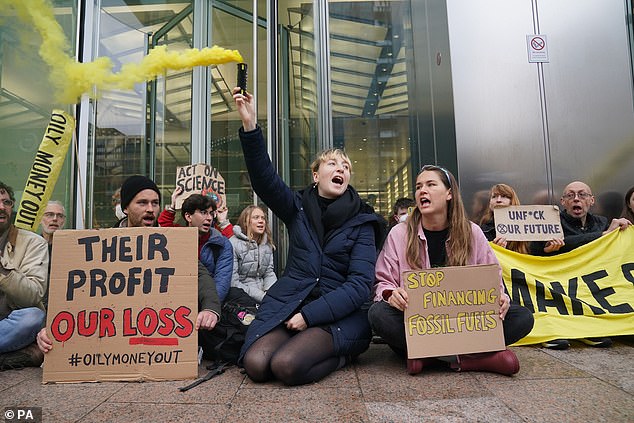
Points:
(214, 249)
(141, 203)
(439, 234)
(311, 321)
(23, 282)
(54, 218)
(220, 219)
(580, 227)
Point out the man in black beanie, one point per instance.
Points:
(140, 201)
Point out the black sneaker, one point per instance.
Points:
(29, 356)
(597, 342)
(556, 344)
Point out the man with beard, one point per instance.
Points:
(140, 201)
(580, 227)
(23, 281)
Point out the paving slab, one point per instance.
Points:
(582, 384)
(488, 410)
(566, 400)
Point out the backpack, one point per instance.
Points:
(224, 342)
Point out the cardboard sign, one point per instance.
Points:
(123, 305)
(453, 310)
(202, 179)
(528, 223)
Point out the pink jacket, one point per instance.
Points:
(392, 261)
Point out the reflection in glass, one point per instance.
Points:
(368, 45)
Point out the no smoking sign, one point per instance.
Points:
(537, 46)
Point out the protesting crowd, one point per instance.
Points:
(343, 283)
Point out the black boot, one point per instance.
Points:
(29, 356)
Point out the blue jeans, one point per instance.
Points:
(20, 328)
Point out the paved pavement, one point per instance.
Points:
(582, 384)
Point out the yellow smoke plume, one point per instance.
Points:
(72, 79)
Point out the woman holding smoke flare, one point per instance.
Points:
(438, 234)
(311, 321)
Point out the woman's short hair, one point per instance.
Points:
(330, 154)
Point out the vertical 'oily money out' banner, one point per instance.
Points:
(123, 305)
(587, 292)
(45, 170)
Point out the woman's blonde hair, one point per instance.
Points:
(459, 236)
(508, 192)
(327, 155)
(245, 218)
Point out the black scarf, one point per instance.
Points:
(327, 215)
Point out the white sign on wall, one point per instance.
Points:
(537, 46)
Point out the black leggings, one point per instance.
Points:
(387, 322)
(295, 358)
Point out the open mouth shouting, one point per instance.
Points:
(337, 180)
(577, 209)
(148, 219)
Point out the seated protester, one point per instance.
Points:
(502, 195)
(580, 227)
(220, 221)
(438, 234)
(628, 211)
(140, 201)
(400, 210)
(214, 249)
(53, 219)
(312, 320)
(253, 254)
(23, 281)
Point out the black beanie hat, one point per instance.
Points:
(134, 185)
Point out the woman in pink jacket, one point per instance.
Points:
(437, 234)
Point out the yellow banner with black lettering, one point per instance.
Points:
(587, 292)
(45, 170)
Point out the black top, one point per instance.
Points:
(436, 246)
(575, 234)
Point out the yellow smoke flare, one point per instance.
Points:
(72, 79)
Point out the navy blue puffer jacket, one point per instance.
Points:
(343, 269)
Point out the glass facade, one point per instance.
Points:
(397, 84)
(27, 95)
